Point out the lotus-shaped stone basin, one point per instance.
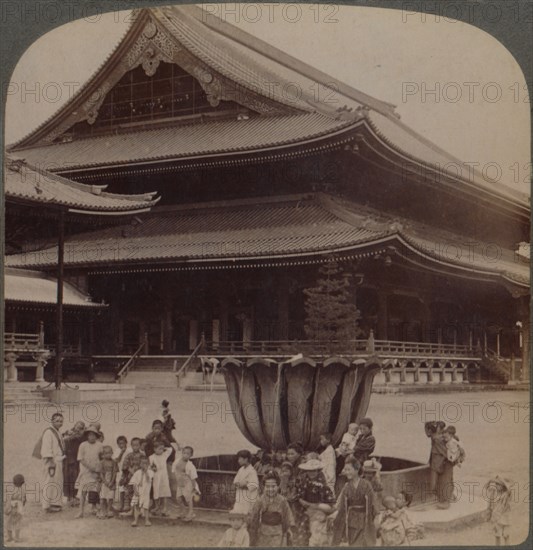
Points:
(275, 403)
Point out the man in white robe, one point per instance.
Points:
(53, 454)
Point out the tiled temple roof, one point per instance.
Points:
(184, 141)
(34, 287)
(271, 229)
(29, 184)
(250, 63)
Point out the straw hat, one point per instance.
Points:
(92, 428)
(313, 464)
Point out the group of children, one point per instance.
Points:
(137, 476)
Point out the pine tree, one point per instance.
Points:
(330, 310)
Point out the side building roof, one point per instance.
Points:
(24, 286)
(25, 183)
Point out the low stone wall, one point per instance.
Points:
(91, 392)
(216, 474)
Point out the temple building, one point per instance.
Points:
(267, 169)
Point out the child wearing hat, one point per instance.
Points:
(14, 508)
(237, 535)
(88, 481)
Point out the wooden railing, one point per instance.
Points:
(183, 369)
(18, 341)
(388, 348)
(122, 373)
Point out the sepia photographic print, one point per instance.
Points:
(266, 274)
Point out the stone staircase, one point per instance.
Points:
(194, 381)
(16, 393)
(157, 371)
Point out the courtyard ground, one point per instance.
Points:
(492, 426)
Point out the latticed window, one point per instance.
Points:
(170, 93)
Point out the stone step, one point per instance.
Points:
(205, 387)
(151, 379)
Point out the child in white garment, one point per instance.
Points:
(349, 440)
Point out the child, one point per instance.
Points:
(287, 486)
(88, 480)
(73, 439)
(237, 535)
(371, 472)
(168, 422)
(141, 483)
(328, 458)
(414, 531)
(389, 524)
(271, 517)
(349, 439)
(160, 483)
(156, 435)
(499, 496)
(108, 475)
(280, 456)
(264, 464)
(119, 457)
(186, 476)
(132, 462)
(455, 452)
(14, 508)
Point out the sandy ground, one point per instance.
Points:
(493, 427)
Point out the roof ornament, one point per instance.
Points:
(16, 164)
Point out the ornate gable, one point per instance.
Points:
(147, 45)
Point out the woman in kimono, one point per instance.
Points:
(441, 469)
(356, 509)
(271, 517)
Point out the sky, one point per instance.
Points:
(450, 81)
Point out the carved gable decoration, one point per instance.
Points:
(153, 46)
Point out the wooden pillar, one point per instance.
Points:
(223, 304)
(167, 327)
(383, 316)
(283, 308)
(120, 332)
(91, 334)
(526, 339)
(59, 306)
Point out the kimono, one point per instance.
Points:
(235, 538)
(53, 455)
(108, 477)
(161, 483)
(355, 519)
(90, 467)
(441, 470)
(14, 509)
(72, 466)
(364, 447)
(315, 491)
(246, 497)
(329, 460)
(270, 521)
(141, 483)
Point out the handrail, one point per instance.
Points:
(352, 346)
(183, 369)
(129, 363)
